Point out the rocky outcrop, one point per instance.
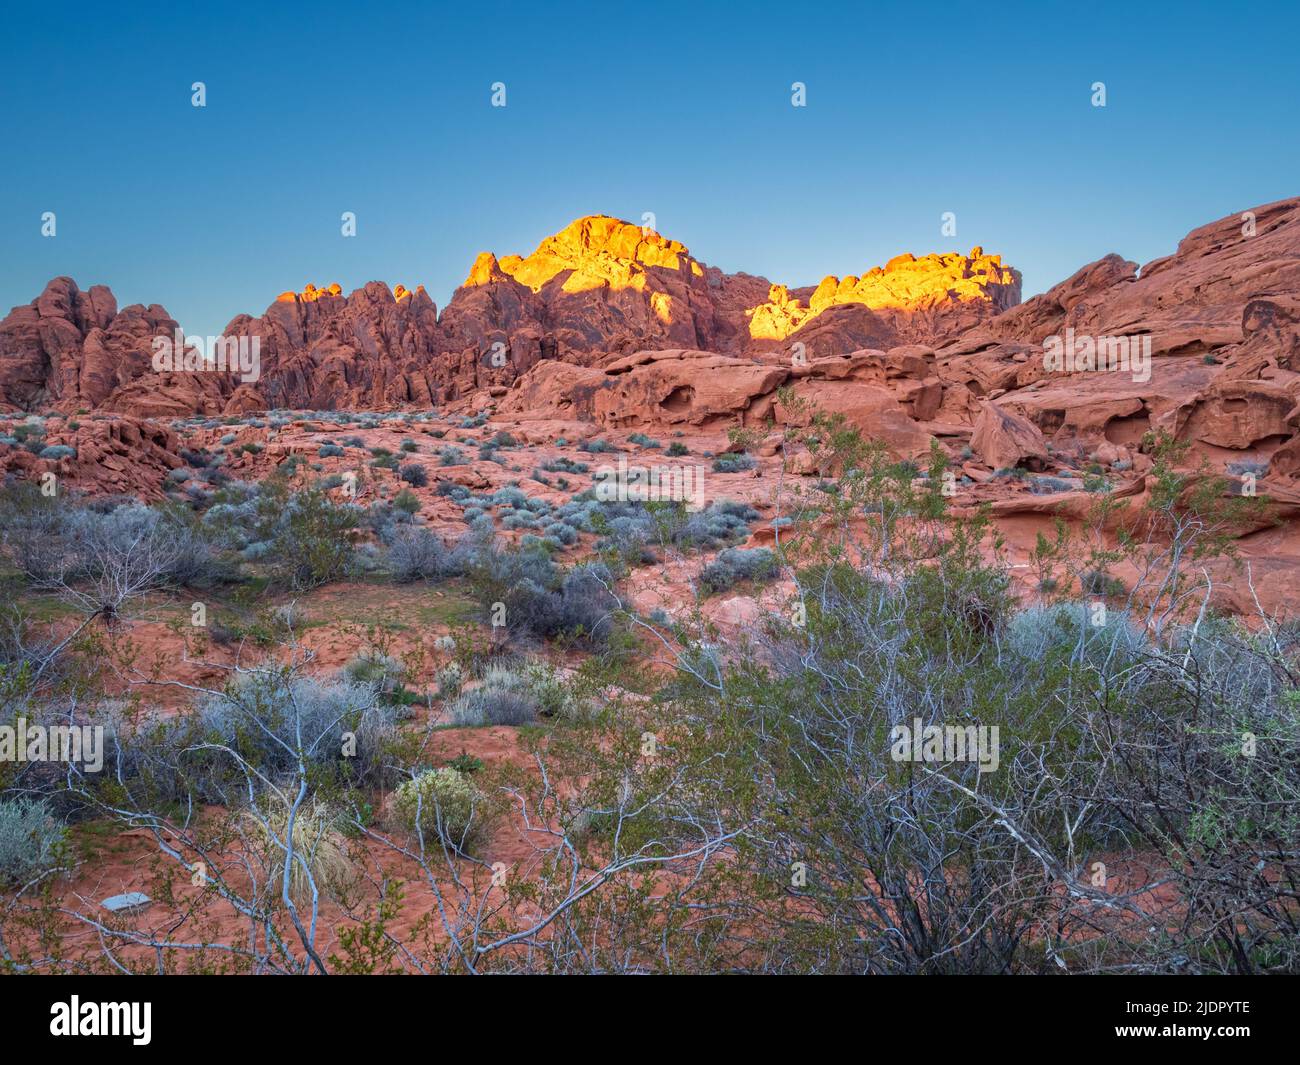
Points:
(680, 388)
(323, 350)
(619, 325)
(908, 299)
(71, 350)
(1004, 440)
(1219, 320)
(110, 455)
(600, 284)
(599, 287)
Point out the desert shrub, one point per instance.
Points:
(733, 463)
(416, 554)
(555, 698)
(381, 672)
(565, 465)
(596, 447)
(98, 558)
(739, 564)
(539, 599)
(409, 446)
(564, 534)
(262, 715)
(587, 602)
(677, 449)
(451, 455)
(31, 840)
(34, 531)
(449, 680)
(414, 474)
(320, 854)
(1043, 486)
(1099, 582)
(722, 522)
(451, 490)
(329, 451)
(643, 440)
(58, 451)
(1014, 473)
(510, 496)
(503, 699)
(1076, 631)
(311, 543)
(442, 804)
(407, 502)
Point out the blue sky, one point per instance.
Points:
(682, 109)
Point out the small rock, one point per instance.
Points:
(128, 903)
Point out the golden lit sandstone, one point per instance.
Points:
(905, 283)
(598, 285)
(594, 251)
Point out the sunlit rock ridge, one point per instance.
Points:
(599, 287)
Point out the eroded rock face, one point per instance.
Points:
(1219, 319)
(622, 327)
(113, 456)
(72, 350)
(600, 284)
(600, 287)
(1005, 440)
(908, 299)
(680, 388)
(323, 350)
(609, 286)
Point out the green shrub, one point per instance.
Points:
(442, 804)
(731, 463)
(738, 564)
(31, 840)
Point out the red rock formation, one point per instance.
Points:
(1004, 440)
(69, 350)
(598, 287)
(702, 390)
(1221, 316)
(907, 299)
(608, 322)
(114, 456)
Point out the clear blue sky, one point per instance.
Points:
(682, 109)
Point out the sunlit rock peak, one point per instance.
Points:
(592, 252)
(904, 283)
